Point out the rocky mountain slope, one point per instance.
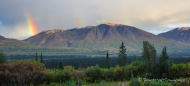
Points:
(107, 36)
(181, 34)
(7, 43)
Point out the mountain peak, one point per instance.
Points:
(84, 27)
(181, 34)
(53, 31)
(111, 24)
(183, 28)
(107, 36)
(1, 37)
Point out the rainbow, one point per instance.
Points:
(80, 21)
(80, 18)
(33, 30)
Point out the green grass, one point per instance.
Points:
(102, 83)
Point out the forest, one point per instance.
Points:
(149, 69)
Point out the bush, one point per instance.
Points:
(58, 76)
(156, 84)
(79, 74)
(134, 82)
(48, 76)
(103, 73)
(69, 68)
(135, 69)
(118, 73)
(183, 82)
(139, 68)
(93, 74)
(21, 73)
(109, 74)
(180, 70)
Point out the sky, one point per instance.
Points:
(155, 16)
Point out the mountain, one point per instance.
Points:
(13, 46)
(18, 47)
(107, 36)
(6, 42)
(181, 34)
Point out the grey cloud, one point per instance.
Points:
(150, 15)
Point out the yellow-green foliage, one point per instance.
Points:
(21, 73)
(104, 83)
(109, 74)
(79, 74)
(180, 70)
(118, 73)
(93, 74)
(34, 73)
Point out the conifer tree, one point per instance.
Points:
(60, 65)
(135, 58)
(41, 58)
(164, 64)
(36, 56)
(122, 56)
(2, 57)
(149, 56)
(107, 62)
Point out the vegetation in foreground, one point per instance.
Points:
(137, 73)
(34, 73)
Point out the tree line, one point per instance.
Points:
(156, 67)
(151, 66)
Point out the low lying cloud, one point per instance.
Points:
(18, 31)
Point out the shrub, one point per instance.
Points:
(156, 84)
(61, 76)
(136, 69)
(21, 73)
(48, 76)
(109, 74)
(184, 82)
(58, 76)
(103, 73)
(134, 82)
(79, 74)
(93, 73)
(180, 70)
(118, 73)
(139, 68)
(69, 68)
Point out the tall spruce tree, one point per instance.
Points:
(2, 57)
(135, 58)
(107, 61)
(60, 65)
(149, 56)
(122, 56)
(41, 58)
(164, 64)
(36, 56)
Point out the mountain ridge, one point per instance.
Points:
(101, 37)
(91, 40)
(180, 34)
(7, 43)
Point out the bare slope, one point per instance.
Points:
(7, 43)
(181, 34)
(107, 36)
